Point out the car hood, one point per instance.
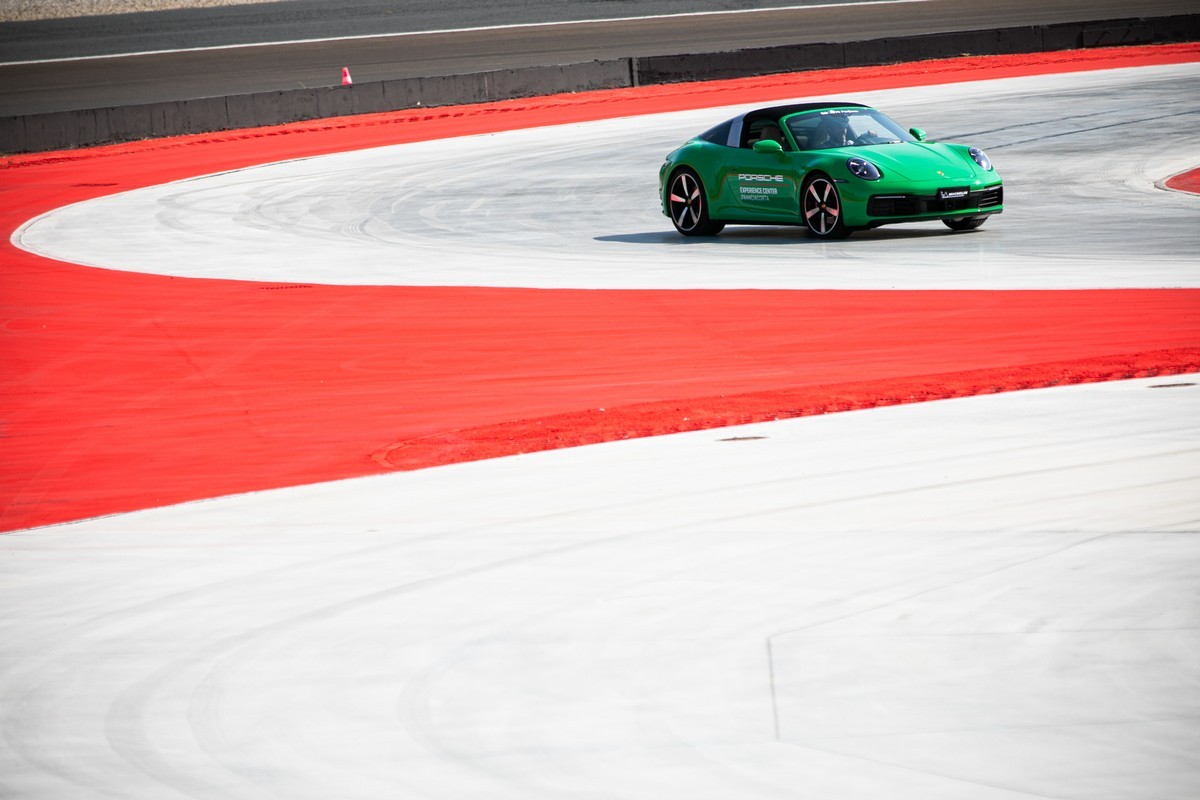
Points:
(919, 161)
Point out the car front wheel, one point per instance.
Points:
(964, 223)
(821, 206)
(688, 206)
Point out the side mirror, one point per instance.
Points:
(918, 134)
(767, 146)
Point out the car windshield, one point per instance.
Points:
(844, 127)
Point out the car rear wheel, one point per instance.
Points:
(822, 209)
(964, 223)
(688, 206)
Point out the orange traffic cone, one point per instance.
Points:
(346, 81)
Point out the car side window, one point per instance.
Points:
(718, 135)
(759, 129)
(804, 130)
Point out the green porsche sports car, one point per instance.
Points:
(832, 167)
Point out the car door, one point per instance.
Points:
(763, 185)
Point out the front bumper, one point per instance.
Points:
(947, 202)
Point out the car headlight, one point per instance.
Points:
(861, 168)
(980, 158)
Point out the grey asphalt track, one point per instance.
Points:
(31, 88)
(984, 598)
(575, 207)
(293, 20)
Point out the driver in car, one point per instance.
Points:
(834, 131)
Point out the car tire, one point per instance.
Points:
(821, 208)
(688, 205)
(964, 223)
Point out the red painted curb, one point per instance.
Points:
(693, 414)
(1185, 182)
(124, 391)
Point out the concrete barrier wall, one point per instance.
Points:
(797, 58)
(61, 130)
(66, 129)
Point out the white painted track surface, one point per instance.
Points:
(983, 598)
(575, 206)
(992, 597)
